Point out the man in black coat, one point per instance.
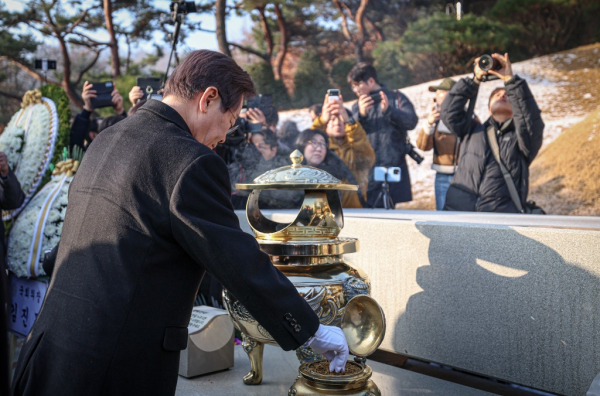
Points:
(149, 212)
(386, 116)
(478, 184)
(11, 197)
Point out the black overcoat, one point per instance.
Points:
(149, 212)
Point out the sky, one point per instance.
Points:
(236, 26)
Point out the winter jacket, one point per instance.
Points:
(478, 184)
(445, 147)
(355, 151)
(387, 132)
(337, 168)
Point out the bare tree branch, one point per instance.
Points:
(345, 29)
(91, 40)
(29, 70)
(88, 67)
(11, 95)
(80, 19)
(252, 51)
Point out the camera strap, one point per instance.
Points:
(512, 189)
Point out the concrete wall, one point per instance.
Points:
(509, 296)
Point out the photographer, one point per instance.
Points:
(515, 121)
(444, 143)
(347, 139)
(83, 130)
(386, 116)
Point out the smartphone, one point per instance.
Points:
(149, 86)
(334, 94)
(376, 97)
(437, 106)
(103, 94)
(390, 174)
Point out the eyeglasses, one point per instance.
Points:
(317, 144)
(233, 127)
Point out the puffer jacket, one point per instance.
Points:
(478, 184)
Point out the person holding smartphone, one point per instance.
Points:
(386, 116)
(444, 143)
(347, 138)
(81, 131)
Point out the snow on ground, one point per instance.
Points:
(552, 88)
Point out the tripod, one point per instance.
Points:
(178, 11)
(384, 195)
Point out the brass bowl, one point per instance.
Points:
(311, 383)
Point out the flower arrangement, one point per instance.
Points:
(39, 227)
(28, 142)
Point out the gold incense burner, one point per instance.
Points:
(310, 253)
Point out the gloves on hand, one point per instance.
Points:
(330, 342)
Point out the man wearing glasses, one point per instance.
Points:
(149, 212)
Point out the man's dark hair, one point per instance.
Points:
(362, 72)
(268, 135)
(494, 93)
(202, 69)
(316, 108)
(307, 135)
(110, 121)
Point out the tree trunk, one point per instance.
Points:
(359, 42)
(220, 31)
(113, 42)
(285, 39)
(66, 81)
(266, 30)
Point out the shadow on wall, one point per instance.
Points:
(502, 304)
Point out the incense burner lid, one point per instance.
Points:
(296, 177)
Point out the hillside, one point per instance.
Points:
(565, 177)
(566, 86)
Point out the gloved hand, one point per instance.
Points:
(330, 342)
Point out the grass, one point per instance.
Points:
(565, 177)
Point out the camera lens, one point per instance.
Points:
(486, 62)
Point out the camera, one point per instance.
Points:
(234, 143)
(391, 174)
(487, 63)
(410, 150)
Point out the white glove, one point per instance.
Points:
(330, 342)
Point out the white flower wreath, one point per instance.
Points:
(38, 228)
(28, 142)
